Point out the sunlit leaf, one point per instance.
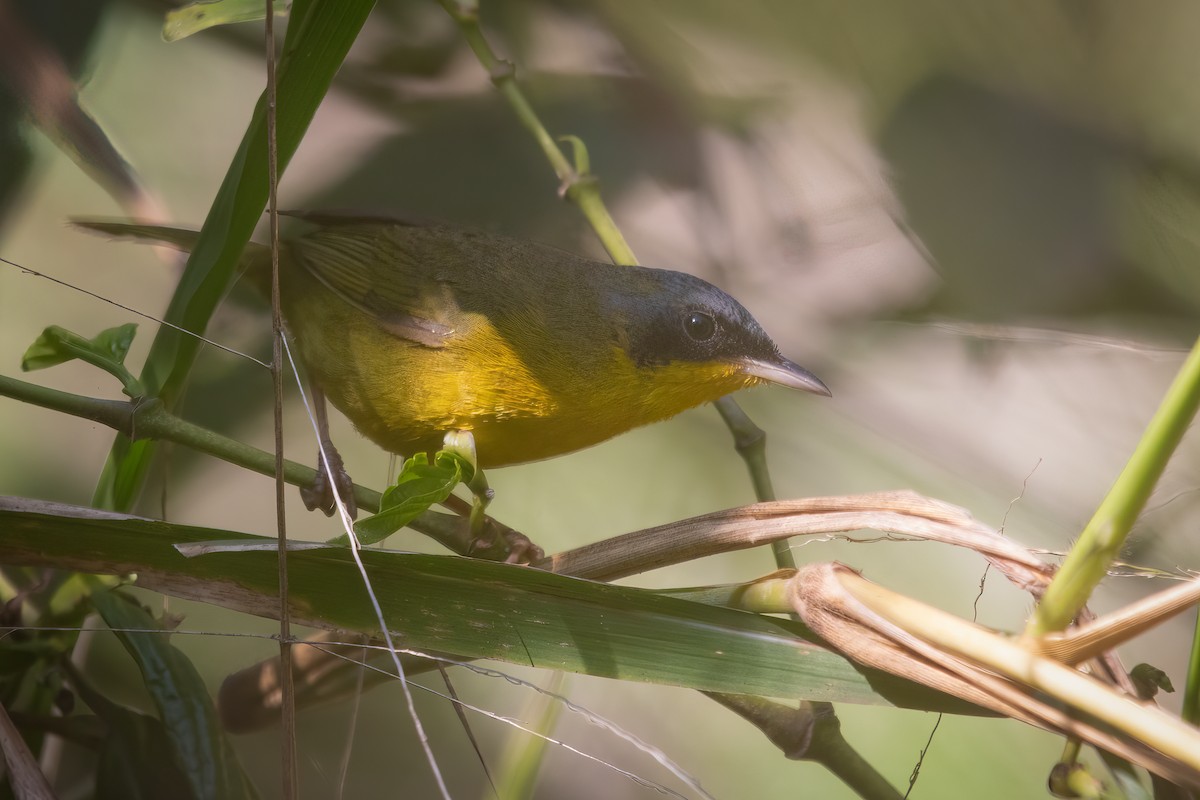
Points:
(419, 486)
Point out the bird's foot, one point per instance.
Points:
(498, 542)
(320, 494)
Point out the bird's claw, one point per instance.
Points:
(498, 541)
(319, 494)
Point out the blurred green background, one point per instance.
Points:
(976, 221)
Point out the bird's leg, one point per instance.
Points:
(462, 444)
(319, 493)
(482, 495)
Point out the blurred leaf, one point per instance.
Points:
(477, 609)
(1149, 680)
(419, 485)
(512, 190)
(30, 676)
(199, 746)
(40, 80)
(524, 755)
(136, 758)
(203, 14)
(1159, 214)
(318, 37)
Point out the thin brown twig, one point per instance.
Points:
(904, 512)
(288, 743)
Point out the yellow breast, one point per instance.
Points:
(522, 404)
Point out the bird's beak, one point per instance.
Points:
(785, 373)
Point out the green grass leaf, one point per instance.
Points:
(475, 608)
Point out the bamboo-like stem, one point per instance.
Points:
(750, 441)
(1104, 536)
(1005, 656)
(810, 733)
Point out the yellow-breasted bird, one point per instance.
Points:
(414, 330)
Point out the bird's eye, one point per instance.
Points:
(699, 326)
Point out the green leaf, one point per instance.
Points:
(107, 350)
(136, 760)
(475, 608)
(319, 35)
(204, 14)
(419, 485)
(199, 746)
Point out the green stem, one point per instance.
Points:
(1102, 539)
(1191, 695)
(810, 732)
(502, 73)
(583, 189)
(585, 192)
(751, 443)
(521, 762)
(150, 420)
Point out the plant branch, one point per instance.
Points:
(578, 186)
(810, 732)
(149, 419)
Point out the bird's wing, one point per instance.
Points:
(383, 271)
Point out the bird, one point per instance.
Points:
(414, 329)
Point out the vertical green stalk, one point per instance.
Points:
(1102, 539)
(1191, 695)
(523, 756)
(751, 443)
(576, 185)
